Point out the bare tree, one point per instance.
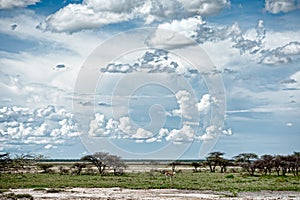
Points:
(116, 163)
(26, 161)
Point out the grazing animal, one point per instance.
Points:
(169, 174)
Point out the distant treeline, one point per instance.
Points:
(249, 162)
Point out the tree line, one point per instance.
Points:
(251, 163)
(248, 162)
(25, 163)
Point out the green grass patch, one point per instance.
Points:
(184, 180)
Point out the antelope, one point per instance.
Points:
(169, 174)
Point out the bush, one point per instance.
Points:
(229, 176)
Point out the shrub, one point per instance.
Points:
(229, 176)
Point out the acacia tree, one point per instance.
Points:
(213, 160)
(77, 168)
(246, 161)
(99, 159)
(102, 160)
(296, 158)
(196, 165)
(267, 162)
(223, 163)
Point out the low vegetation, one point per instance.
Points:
(246, 172)
(185, 180)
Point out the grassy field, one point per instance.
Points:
(235, 182)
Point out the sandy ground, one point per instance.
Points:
(151, 194)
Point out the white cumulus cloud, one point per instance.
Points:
(205, 103)
(186, 104)
(277, 6)
(75, 17)
(42, 126)
(185, 134)
(187, 27)
(8, 4)
(211, 132)
(94, 14)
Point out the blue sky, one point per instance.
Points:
(149, 79)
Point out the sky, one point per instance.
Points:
(149, 79)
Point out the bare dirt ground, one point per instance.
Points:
(151, 194)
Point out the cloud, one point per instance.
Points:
(187, 27)
(205, 103)
(284, 54)
(152, 61)
(91, 14)
(44, 126)
(125, 125)
(293, 82)
(278, 6)
(227, 132)
(9, 4)
(76, 17)
(97, 126)
(211, 132)
(185, 134)
(187, 105)
(103, 127)
(204, 7)
(142, 134)
(122, 128)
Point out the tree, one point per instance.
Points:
(5, 162)
(173, 165)
(25, 161)
(223, 163)
(77, 168)
(99, 159)
(116, 163)
(196, 165)
(246, 161)
(296, 157)
(213, 160)
(45, 167)
(102, 160)
(267, 163)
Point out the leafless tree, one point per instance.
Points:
(116, 163)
